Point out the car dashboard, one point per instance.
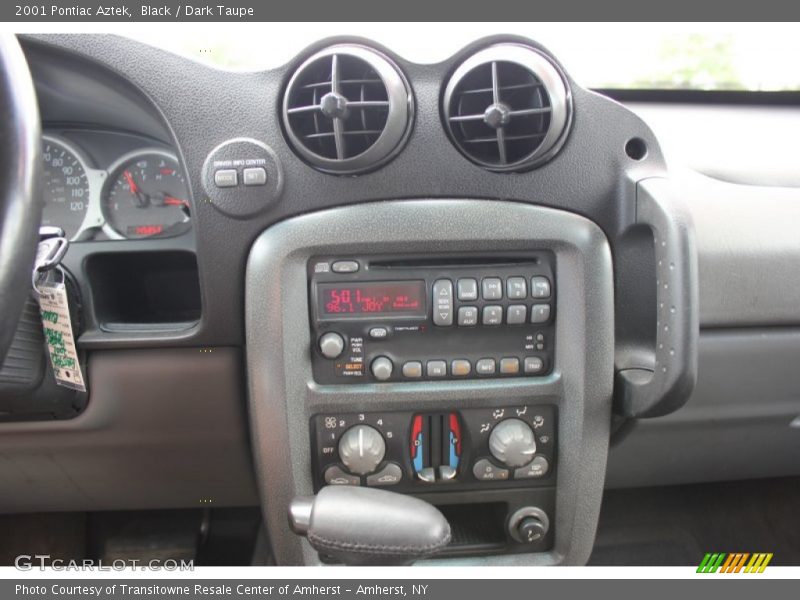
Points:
(471, 281)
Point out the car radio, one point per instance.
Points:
(387, 319)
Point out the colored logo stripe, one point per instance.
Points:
(734, 562)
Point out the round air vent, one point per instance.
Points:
(507, 108)
(347, 109)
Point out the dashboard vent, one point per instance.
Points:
(507, 108)
(347, 109)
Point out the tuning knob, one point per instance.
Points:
(362, 449)
(512, 443)
(382, 368)
(331, 345)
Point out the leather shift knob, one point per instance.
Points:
(365, 526)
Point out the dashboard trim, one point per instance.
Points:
(283, 396)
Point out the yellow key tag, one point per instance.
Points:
(54, 309)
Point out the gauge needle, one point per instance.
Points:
(172, 201)
(141, 199)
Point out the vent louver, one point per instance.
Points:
(507, 108)
(347, 109)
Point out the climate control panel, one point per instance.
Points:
(387, 319)
(473, 448)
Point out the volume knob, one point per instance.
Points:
(512, 443)
(331, 345)
(362, 449)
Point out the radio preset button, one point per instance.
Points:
(492, 315)
(443, 302)
(509, 366)
(412, 369)
(382, 368)
(468, 316)
(517, 314)
(533, 364)
(331, 345)
(437, 368)
(460, 367)
(492, 288)
(540, 287)
(540, 313)
(485, 366)
(516, 288)
(345, 266)
(467, 289)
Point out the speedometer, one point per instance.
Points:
(66, 187)
(147, 196)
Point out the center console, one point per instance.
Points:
(460, 351)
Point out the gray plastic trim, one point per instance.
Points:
(164, 428)
(283, 395)
(738, 423)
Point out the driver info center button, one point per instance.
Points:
(254, 176)
(224, 178)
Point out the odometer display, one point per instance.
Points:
(389, 298)
(66, 188)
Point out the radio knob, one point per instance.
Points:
(512, 443)
(331, 345)
(362, 449)
(382, 368)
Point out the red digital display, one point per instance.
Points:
(145, 229)
(386, 298)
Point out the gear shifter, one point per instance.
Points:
(365, 526)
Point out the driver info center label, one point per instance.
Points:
(58, 336)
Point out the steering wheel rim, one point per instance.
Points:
(20, 194)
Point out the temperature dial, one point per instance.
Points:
(362, 449)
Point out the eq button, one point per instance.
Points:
(378, 333)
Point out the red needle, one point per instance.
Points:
(172, 201)
(131, 182)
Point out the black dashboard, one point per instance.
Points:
(267, 262)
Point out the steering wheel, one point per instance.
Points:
(20, 197)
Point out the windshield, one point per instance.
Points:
(696, 56)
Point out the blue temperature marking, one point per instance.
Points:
(418, 457)
(453, 455)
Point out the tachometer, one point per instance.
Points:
(147, 196)
(66, 187)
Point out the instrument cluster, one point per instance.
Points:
(134, 191)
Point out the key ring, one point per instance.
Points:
(40, 277)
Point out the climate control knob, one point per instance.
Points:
(362, 449)
(512, 443)
(382, 368)
(331, 345)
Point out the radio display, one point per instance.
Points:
(379, 298)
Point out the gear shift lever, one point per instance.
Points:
(365, 526)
